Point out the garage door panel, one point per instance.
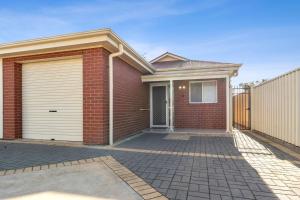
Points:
(53, 85)
(58, 103)
(57, 131)
(42, 125)
(51, 97)
(43, 136)
(42, 111)
(44, 117)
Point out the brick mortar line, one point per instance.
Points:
(146, 191)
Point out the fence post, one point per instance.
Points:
(252, 107)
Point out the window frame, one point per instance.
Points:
(191, 82)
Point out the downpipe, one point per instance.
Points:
(111, 92)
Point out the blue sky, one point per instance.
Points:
(264, 35)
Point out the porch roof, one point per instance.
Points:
(217, 71)
(179, 68)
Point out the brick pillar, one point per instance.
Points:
(95, 96)
(12, 99)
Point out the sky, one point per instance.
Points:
(263, 35)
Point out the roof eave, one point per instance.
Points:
(187, 75)
(97, 38)
(232, 66)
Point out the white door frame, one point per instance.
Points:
(167, 105)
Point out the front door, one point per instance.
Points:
(159, 106)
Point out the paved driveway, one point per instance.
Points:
(185, 167)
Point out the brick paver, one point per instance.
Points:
(184, 166)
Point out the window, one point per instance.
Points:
(203, 92)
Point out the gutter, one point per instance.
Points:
(111, 92)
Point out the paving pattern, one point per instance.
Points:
(185, 166)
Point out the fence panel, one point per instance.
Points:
(241, 107)
(276, 107)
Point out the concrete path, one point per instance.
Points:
(85, 181)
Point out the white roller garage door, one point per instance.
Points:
(52, 100)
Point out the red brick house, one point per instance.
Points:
(93, 87)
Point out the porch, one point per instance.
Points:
(191, 105)
(187, 93)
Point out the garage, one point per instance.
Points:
(52, 100)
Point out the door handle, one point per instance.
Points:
(52, 110)
(144, 109)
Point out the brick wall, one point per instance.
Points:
(130, 95)
(208, 115)
(95, 90)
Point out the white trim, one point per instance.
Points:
(227, 105)
(1, 99)
(151, 105)
(182, 76)
(230, 107)
(191, 82)
(48, 45)
(171, 105)
(217, 68)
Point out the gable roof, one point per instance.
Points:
(167, 57)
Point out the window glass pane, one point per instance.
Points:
(209, 92)
(196, 92)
